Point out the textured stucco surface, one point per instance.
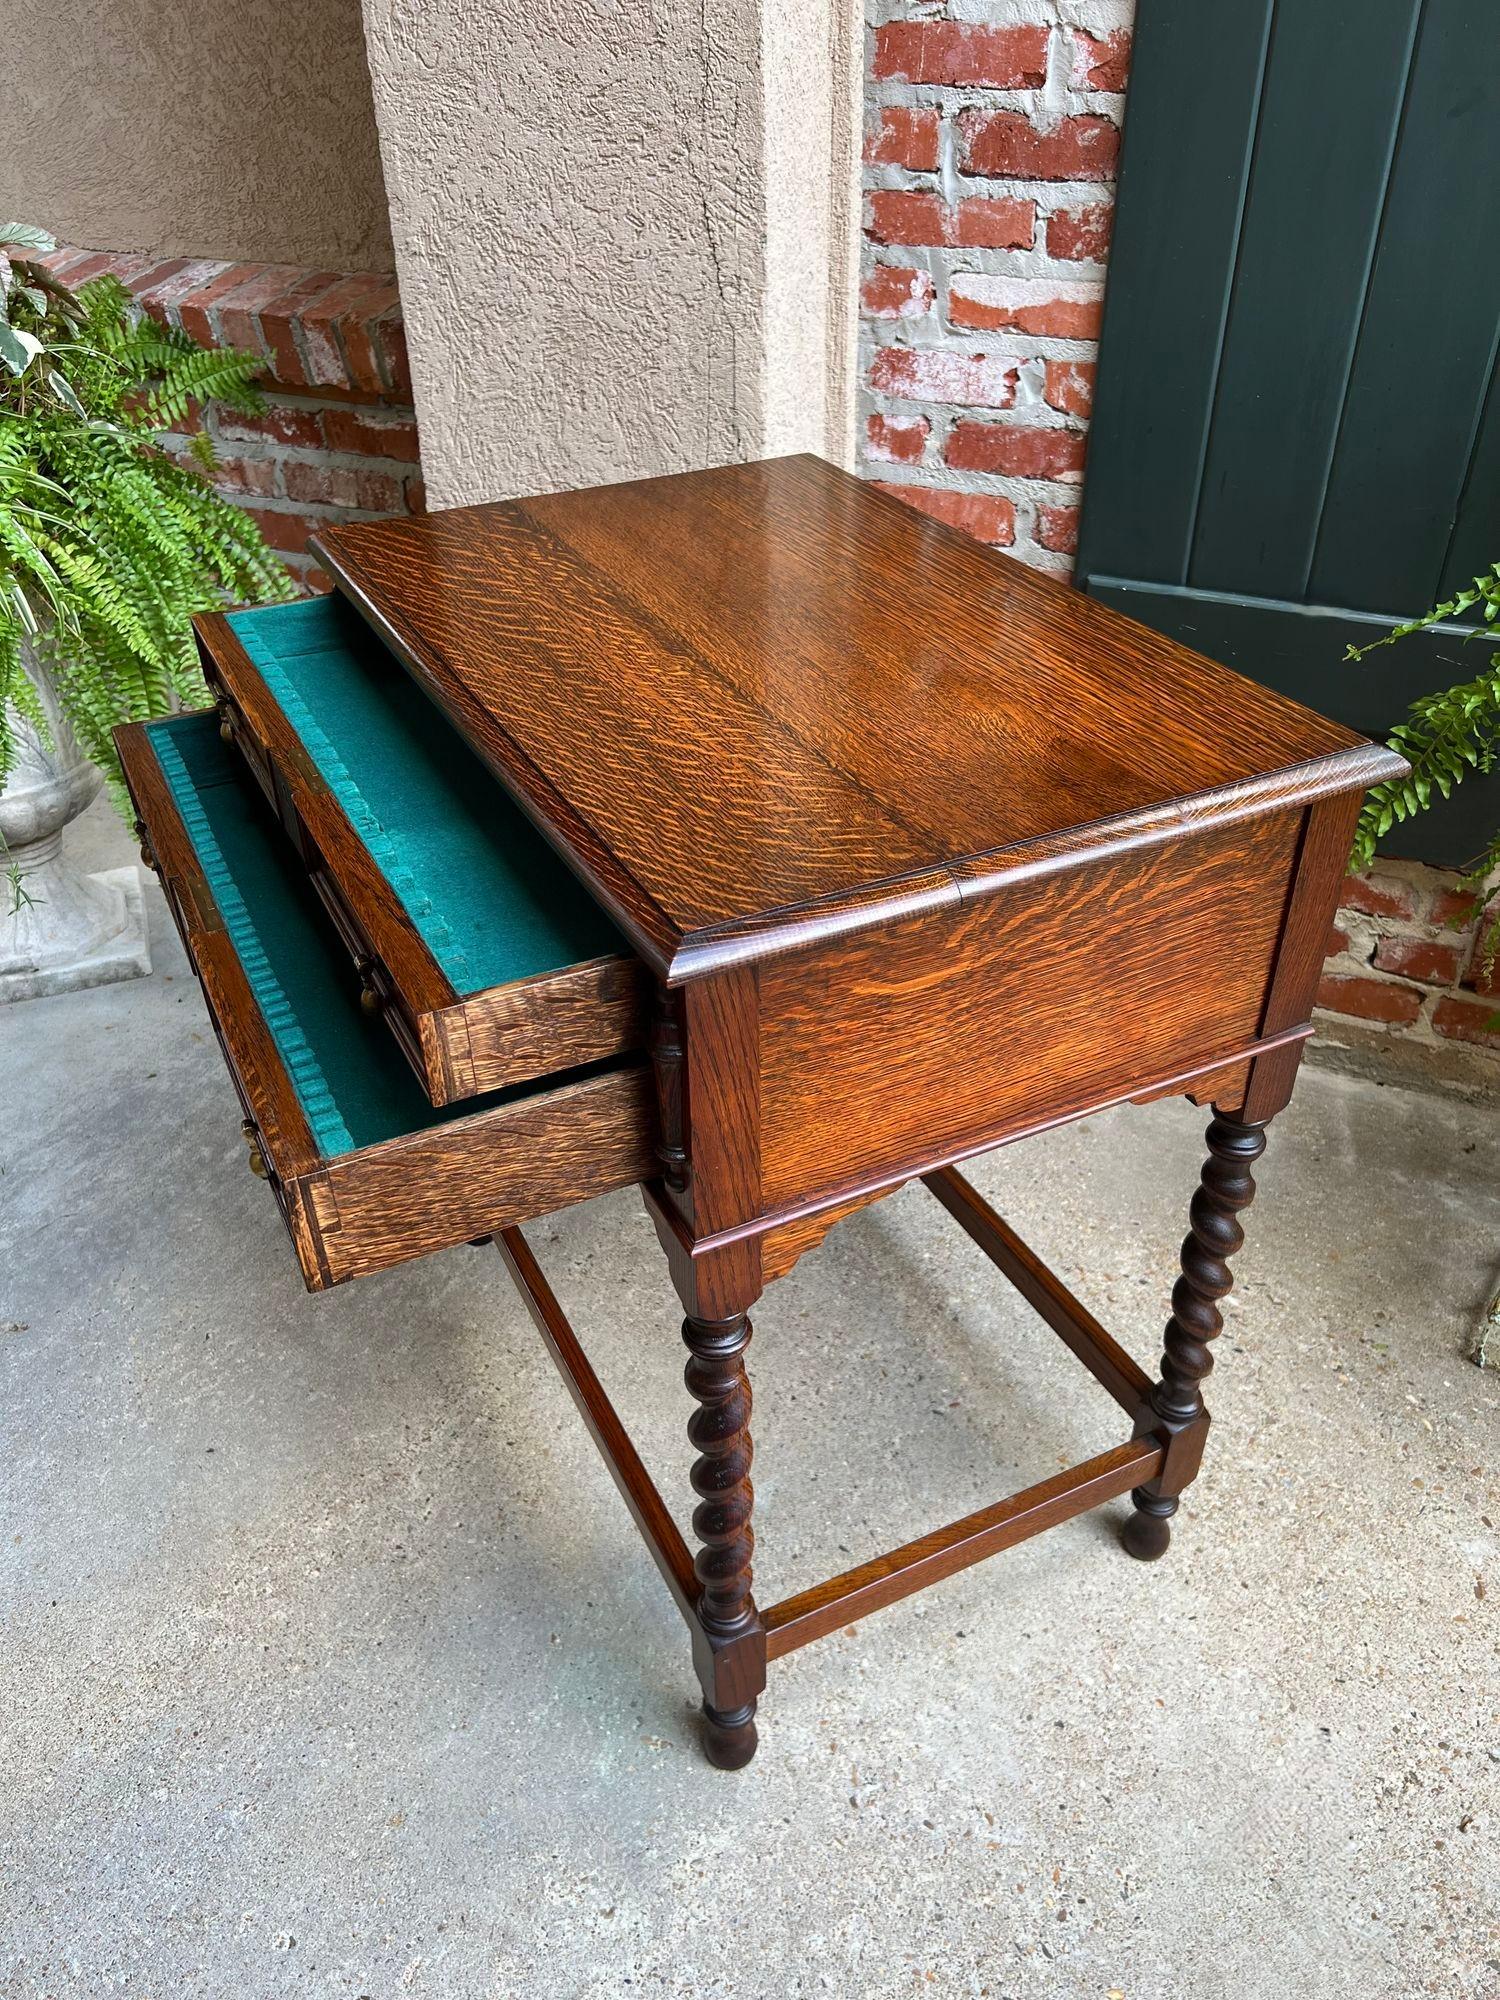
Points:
(195, 128)
(332, 1664)
(579, 200)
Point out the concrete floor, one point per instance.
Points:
(331, 1664)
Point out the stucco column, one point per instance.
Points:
(624, 232)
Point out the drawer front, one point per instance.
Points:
(233, 728)
(436, 883)
(366, 1174)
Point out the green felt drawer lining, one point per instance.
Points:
(488, 896)
(350, 1079)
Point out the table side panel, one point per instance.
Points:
(889, 1051)
(1327, 837)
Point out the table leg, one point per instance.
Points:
(732, 1664)
(1175, 1410)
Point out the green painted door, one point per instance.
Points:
(1296, 438)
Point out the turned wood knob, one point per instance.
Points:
(258, 1165)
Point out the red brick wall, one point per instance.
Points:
(990, 153)
(338, 439)
(991, 136)
(1402, 959)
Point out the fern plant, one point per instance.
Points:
(1445, 736)
(108, 545)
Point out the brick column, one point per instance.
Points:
(990, 151)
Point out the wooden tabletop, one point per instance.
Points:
(765, 702)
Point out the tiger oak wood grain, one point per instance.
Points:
(824, 603)
(1313, 895)
(424, 1190)
(928, 1038)
(798, 1221)
(755, 705)
(536, 1026)
(925, 852)
(445, 1185)
(460, 1045)
(784, 1244)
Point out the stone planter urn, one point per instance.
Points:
(59, 930)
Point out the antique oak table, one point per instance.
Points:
(751, 837)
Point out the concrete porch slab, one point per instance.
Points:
(332, 1664)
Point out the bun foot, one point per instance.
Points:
(1149, 1529)
(729, 1737)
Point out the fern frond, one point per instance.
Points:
(1445, 737)
(202, 375)
(108, 545)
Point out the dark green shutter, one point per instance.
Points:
(1296, 439)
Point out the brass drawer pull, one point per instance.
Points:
(258, 1165)
(371, 999)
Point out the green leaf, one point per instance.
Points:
(18, 349)
(26, 236)
(25, 616)
(63, 390)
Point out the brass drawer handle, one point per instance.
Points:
(258, 1165)
(371, 999)
(145, 843)
(226, 720)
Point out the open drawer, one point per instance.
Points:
(491, 962)
(367, 1173)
